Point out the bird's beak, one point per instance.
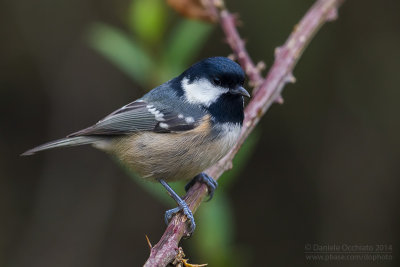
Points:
(239, 90)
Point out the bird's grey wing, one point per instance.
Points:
(140, 116)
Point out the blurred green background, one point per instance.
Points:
(323, 168)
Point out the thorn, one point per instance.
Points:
(148, 242)
(277, 51)
(261, 66)
(232, 57)
(252, 84)
(332, 15)
(219, 4)
(295, 27)
(290, 78)
(241, 54)
(279, 100)
(236, 20)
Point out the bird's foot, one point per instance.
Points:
(205, 179)
(182, 206)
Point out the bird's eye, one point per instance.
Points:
(217, 81)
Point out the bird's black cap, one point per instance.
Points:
(221, 70)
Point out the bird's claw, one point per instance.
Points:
(186, 211)
(205, 179)
(170, 213)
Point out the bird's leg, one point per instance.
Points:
(205, 179)
(182, 206)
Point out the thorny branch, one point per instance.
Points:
(266, 92)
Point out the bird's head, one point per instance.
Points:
(208, 80)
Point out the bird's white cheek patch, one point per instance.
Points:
(201, 91)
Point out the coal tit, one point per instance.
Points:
(175, 131)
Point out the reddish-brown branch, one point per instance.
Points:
(228, 24)
(267, 91)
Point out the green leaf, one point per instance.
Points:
(121, 50)
(214, 234)
(184, 44)
(147, 19)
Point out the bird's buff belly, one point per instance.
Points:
(173, 157)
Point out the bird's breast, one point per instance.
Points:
(176, 156)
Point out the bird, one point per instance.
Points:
(175, 131)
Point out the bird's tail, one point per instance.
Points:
(65, 142)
